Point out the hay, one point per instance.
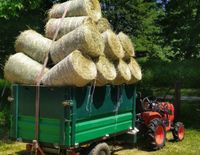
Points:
(135, 71)
(85, 38)
(127, 45)
(21, 69)
(106, 71)
(75, 69)
(123, 73)
(113, 48)
(33, 44)
(77, 8)
(68, 25)
(103, 25)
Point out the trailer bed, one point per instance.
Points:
(72, 116)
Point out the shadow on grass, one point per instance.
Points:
(140, 146)
(23, 153)
(29, 153)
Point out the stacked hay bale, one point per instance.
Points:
(81, 46)
(33, 44)
(75, 69)
(103, 25)
(21, 69)
(106, 71)
(68, 25)
(84, 38)
(75, 8)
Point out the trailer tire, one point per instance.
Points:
(100, 149)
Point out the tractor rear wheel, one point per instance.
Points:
(156, 134)
(100, 149)
(178, 131)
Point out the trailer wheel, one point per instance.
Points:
(100, 149)
(178, 131)
(156, 134)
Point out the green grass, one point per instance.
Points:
(190, 115)
(7, 147)
(190, 145)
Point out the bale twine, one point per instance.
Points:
(103, 25)
(33, 44)
(113, 48)
(123, 73)
(106, 71)
(135, 71)
(68, 25)
(85, 38)
(74, 8)
(127, 45)
(75, 69)
(21, 69)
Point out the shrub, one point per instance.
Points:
(165, 74)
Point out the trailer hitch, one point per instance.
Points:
(67, 103)
(35, 147)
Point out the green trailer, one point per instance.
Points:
(72, 118)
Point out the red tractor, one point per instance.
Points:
(155, 119)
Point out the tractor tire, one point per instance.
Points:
(100, 149)
(178, 131)
(156, 134)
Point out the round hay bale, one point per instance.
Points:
(127, 45)
(123, 73)
(113, 48)
(68, 25)
(21, 69)
(74, 8)
(135, 71)
(103, 25)
(106, 71)
(85, 38)
(75, 69)
(33, 44)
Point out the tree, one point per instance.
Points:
(10, 8)
(181, 28)
(140, 19)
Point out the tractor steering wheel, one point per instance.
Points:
(147, 103)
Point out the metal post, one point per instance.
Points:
(177, 103)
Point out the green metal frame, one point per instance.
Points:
(87, 117)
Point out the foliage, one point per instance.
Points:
(10, 8)
(165, 74)
(4, 117)
(4, 109)
(139, 19)
(181, 28)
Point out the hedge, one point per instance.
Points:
(164, 74)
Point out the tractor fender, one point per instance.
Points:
(149, 115)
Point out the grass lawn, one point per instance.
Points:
(190, 115)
